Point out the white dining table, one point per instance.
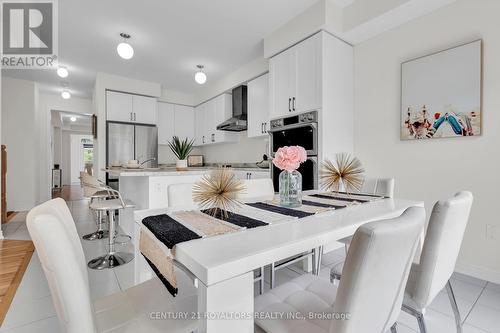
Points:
(225, 264)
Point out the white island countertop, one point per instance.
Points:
(170, 171)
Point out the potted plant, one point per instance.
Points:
(181, 149)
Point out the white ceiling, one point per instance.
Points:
(343, 3)
(170, 38)
(62, 119)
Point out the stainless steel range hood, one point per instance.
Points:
(238, 122)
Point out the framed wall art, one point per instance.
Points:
(441, 94)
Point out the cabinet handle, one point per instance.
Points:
(262, 128)
(203, 139)
(131, 116)
(213, 137)
(293, 104)
(265, 128)
(135, 115)
(289, 108)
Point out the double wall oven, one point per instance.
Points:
(299, 130)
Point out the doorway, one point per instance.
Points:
(72, 148)
(82, 152)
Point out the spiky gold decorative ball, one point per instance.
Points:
(218, 191)
(346, 170)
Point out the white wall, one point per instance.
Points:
(56, 145)
(165, 155)
(1, 232)
(19, 134)
(247, 150)
(431, 170)
(243, 74)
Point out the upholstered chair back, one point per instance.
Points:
(379, 186)
(180, 197)
(261, 189)
(90, 184)
(375, 273)
(442, 244)
(54, 234)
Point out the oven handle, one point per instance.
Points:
(284, 128)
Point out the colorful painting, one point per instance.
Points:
(441, 94)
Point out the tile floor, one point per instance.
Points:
(32, 309)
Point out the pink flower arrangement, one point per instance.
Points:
(289, 158)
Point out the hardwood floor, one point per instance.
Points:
(15, 256)
(69, 193)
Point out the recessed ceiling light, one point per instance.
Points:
(73, 118)
(65, 94)
(124, 49)
(200, 77)
(62, 72)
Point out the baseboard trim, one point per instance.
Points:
(479, 272)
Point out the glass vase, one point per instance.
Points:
(290, 188)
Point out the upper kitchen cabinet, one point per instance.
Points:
(175, 120)
(184, 122)
(130, 108)
(119, 107)
(295, 78)
(210, 114)
(166, 119)
(223, 110)
(258, 106)
(199, 125)
(145, 111)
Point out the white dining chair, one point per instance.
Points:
(257, 189)
(54, 234)
(380, 251)
(439, 255)
(377, 186)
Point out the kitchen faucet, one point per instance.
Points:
(148, 160)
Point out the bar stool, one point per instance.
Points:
(113, 258)
(100, 233)
(92, 190)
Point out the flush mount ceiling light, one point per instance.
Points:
(124, 49)
(73, 118)
(200, 77)
(62, 72)
(65, 94)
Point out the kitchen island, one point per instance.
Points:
(148, 188)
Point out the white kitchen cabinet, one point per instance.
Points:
(184, 122)
(223, 110)
(166, 122)
(258, 106)
(199, 119)
(119, 106)
(144, 109)
(295, 78)
(307, 80)
(175, 120)
(210, 114)
(279, 81)
(131, 108)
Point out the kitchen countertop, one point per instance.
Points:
(171, 171)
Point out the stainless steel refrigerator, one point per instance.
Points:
(125, 142)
